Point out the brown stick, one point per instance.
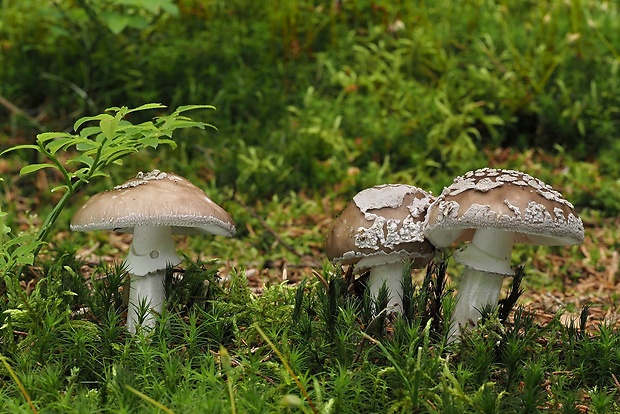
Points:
(266, 226)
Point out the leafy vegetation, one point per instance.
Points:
(446, 80)
(314, 348)
(315, 101)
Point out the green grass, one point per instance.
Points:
(309, 348)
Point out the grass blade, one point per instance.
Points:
(288, 368)
(150, 400)
(226, 367)
(19, 383)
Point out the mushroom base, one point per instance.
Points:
(476, 290)
(148, 290)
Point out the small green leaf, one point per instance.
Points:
(85, 119)
(25, 259)
(99, 174)
(60, 144)
(170, 8)
(149, 142)
(110, 158)
(81, 174)
(135, 131)
(35, 167)
(86, 145)
(185, 108)
(165, 141)
(108, 127)
(147, 106)
(48, 136)
(122, 111)
(154, 143)
(18, 147)
(116, 22)
(90, 131)
(60, 187)
(24, 254)
(84, 159)
(188, 123)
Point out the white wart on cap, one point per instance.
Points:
(514, 202)
(380, 229)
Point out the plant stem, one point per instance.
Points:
(71, 190)
(51, 219)
(288, 367)
(19, 383)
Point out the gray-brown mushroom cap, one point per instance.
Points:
(156, 198)
(505, 200)
(382, 224)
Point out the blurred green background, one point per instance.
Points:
(330, 97)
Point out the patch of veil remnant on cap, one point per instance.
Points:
(381, 221)
(390, 232)
(142, 178)
(503, 199)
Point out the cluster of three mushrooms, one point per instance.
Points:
(491, 208)
(153, 206)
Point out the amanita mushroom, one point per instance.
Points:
(153, 206)
(494, 209)
(380, 229)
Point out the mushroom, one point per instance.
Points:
(153, 206)
(494, 209)
(380, 229)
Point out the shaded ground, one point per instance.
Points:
(597, 285)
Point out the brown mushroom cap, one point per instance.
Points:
(385, 220)
(156, 198)
(507, 200)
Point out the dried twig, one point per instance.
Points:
(14, 109)
(616, 381)
(266, 226)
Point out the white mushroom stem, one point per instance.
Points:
(392, 275)
(487, 261)
(476, 290)
(151, 251)
(147, 289)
